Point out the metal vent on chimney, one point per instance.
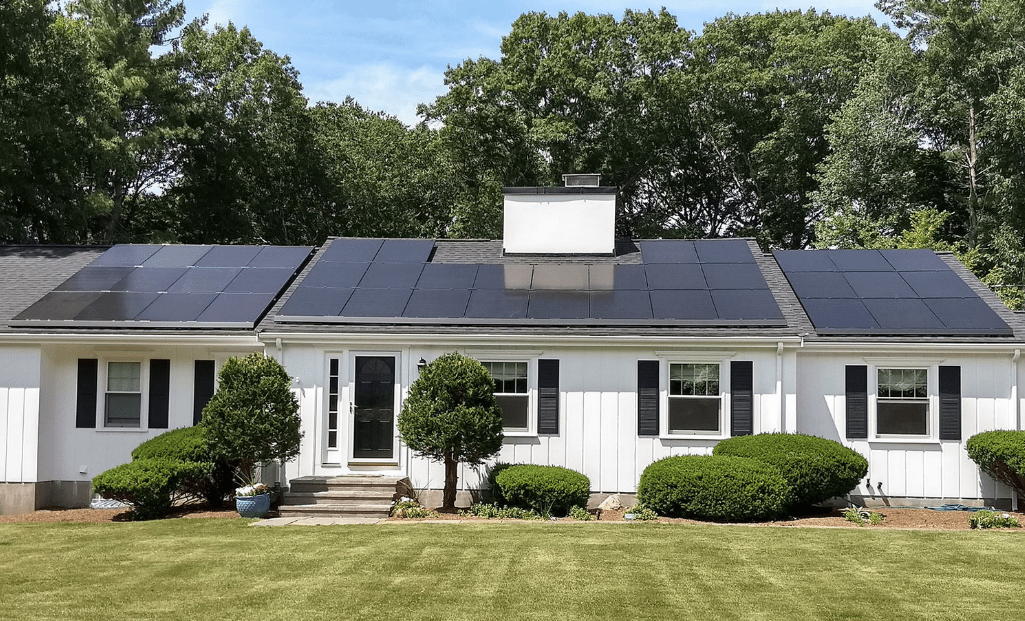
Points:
(582, 180)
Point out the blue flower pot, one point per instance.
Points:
(253, 506)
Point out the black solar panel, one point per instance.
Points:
(668, 251)
(437, 303)
(859, 261)
(352, 250)
(340, 275)
(405, 251)
(749, 304)
(316, 302)
(283, 257)
(944, 284)
(60, 305)
(95, 279)
(236, 308)
(447, 276)
(820, 285)
(804, 261)
(126, 255)
(966, 314)
(733, 276)
(560, 277)
(622, 304)
(367, 302)
(204, 280)
(497, 303)
(503, 277)
(149, 279)
(229, 256)
(177, 256)
(919, 259)
(839, 314)
(116, 306)
(558, 305)
(259, 280)
(723, 251)
(392, 275)
(879, 285)
(177, 307)
(906, 314)
(625, 277)
(670, 276)
(683, 305)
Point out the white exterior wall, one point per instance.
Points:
(597, 409)
(19, 414)
(929, 468)
(559, 223)
(67, 453)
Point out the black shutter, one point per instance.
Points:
(548, 396)
(159, 392)
(85, 412)
(857, 401)
(204, 388)
(647, 397)
(741, 398)
(950, 403)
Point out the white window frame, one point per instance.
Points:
(671, 358)
(101, 396)
(531, 428)
(531, 358)
(931, 368)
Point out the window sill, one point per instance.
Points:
(520, 434)
(692, 436)
(122, 430)
(903, 440)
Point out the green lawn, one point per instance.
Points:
(225, 569)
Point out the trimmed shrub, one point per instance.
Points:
(545, 489)
(816, 469)
(496, 492)
(1001, 455)
(189, 445)
(714, 488)
(150, 486)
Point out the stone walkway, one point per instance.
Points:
(327, 521)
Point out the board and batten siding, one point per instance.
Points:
(19, 414)
(597, 411)
(930, 468)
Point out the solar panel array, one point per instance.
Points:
(886, 291)
(171, 286)
(680, 282)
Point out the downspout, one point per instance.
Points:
(779, 389)
(1016, 411)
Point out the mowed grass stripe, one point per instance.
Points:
(224, 569)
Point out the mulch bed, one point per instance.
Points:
(924, 519)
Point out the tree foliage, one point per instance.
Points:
(451, 416)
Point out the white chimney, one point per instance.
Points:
(579, 218)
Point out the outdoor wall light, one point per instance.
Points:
(420, 365)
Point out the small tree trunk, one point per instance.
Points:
(451, 479)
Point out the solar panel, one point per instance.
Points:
(908, 314)
(503, 277)
(447, 276)
(558, 305)
(560, 277)
(804, 261)
(405, 251)
(260, 280)
(60, 305)
(683, 305)
(918, 259)
(967, 314)
(176, 307)
(352, 250)
(625, 277)
(316, 302)
(392, 275)
(745, 304)
(176, 256)
(236, 308)
(733, 276)
(94, 279)
(820, 285)
(116, 306)
(623, 304)
(437, 303)
(497, 303)
(204, 280)
(149, 279)
(291, 257)
(944, 284)
(229, 256)
(839, 314)
(124, 255)
(723, 251)
(670, 276)
(879, 285)
(339, 275)
(668, 251)
(859, 261)
(366, 302)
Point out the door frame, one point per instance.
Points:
(351, 416)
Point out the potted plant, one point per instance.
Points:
(252, 501)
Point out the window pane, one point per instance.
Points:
(693, 415)
(123, 410)
(694, 379)
(124, 376)
(510, 377)
(514, 412)
(902, 418)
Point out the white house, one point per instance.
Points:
(608, 354)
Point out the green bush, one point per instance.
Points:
(580, 514)
(150, 486)
(641, 513)
(189, 445)
(493, 511)
(714, 488)
(989, 519)
(545, 489)
(816, 469)
(1001, 455)
(496, 493)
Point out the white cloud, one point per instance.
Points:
(394, 89)
(224, 11)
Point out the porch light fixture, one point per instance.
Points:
(420, 365)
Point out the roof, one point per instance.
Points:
(27, 273)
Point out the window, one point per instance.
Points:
(332, 405)
(123, 402)
(694, 401)
(512, 393)
(902, 402)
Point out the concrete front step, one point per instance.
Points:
(339, 497)
(342, 496)
(362, 510)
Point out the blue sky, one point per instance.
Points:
(391, 54)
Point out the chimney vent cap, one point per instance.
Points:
(589, 180)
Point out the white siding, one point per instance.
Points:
(19, 414)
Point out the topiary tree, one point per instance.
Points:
(451, 416)
(1001, 455)
(253, 418)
